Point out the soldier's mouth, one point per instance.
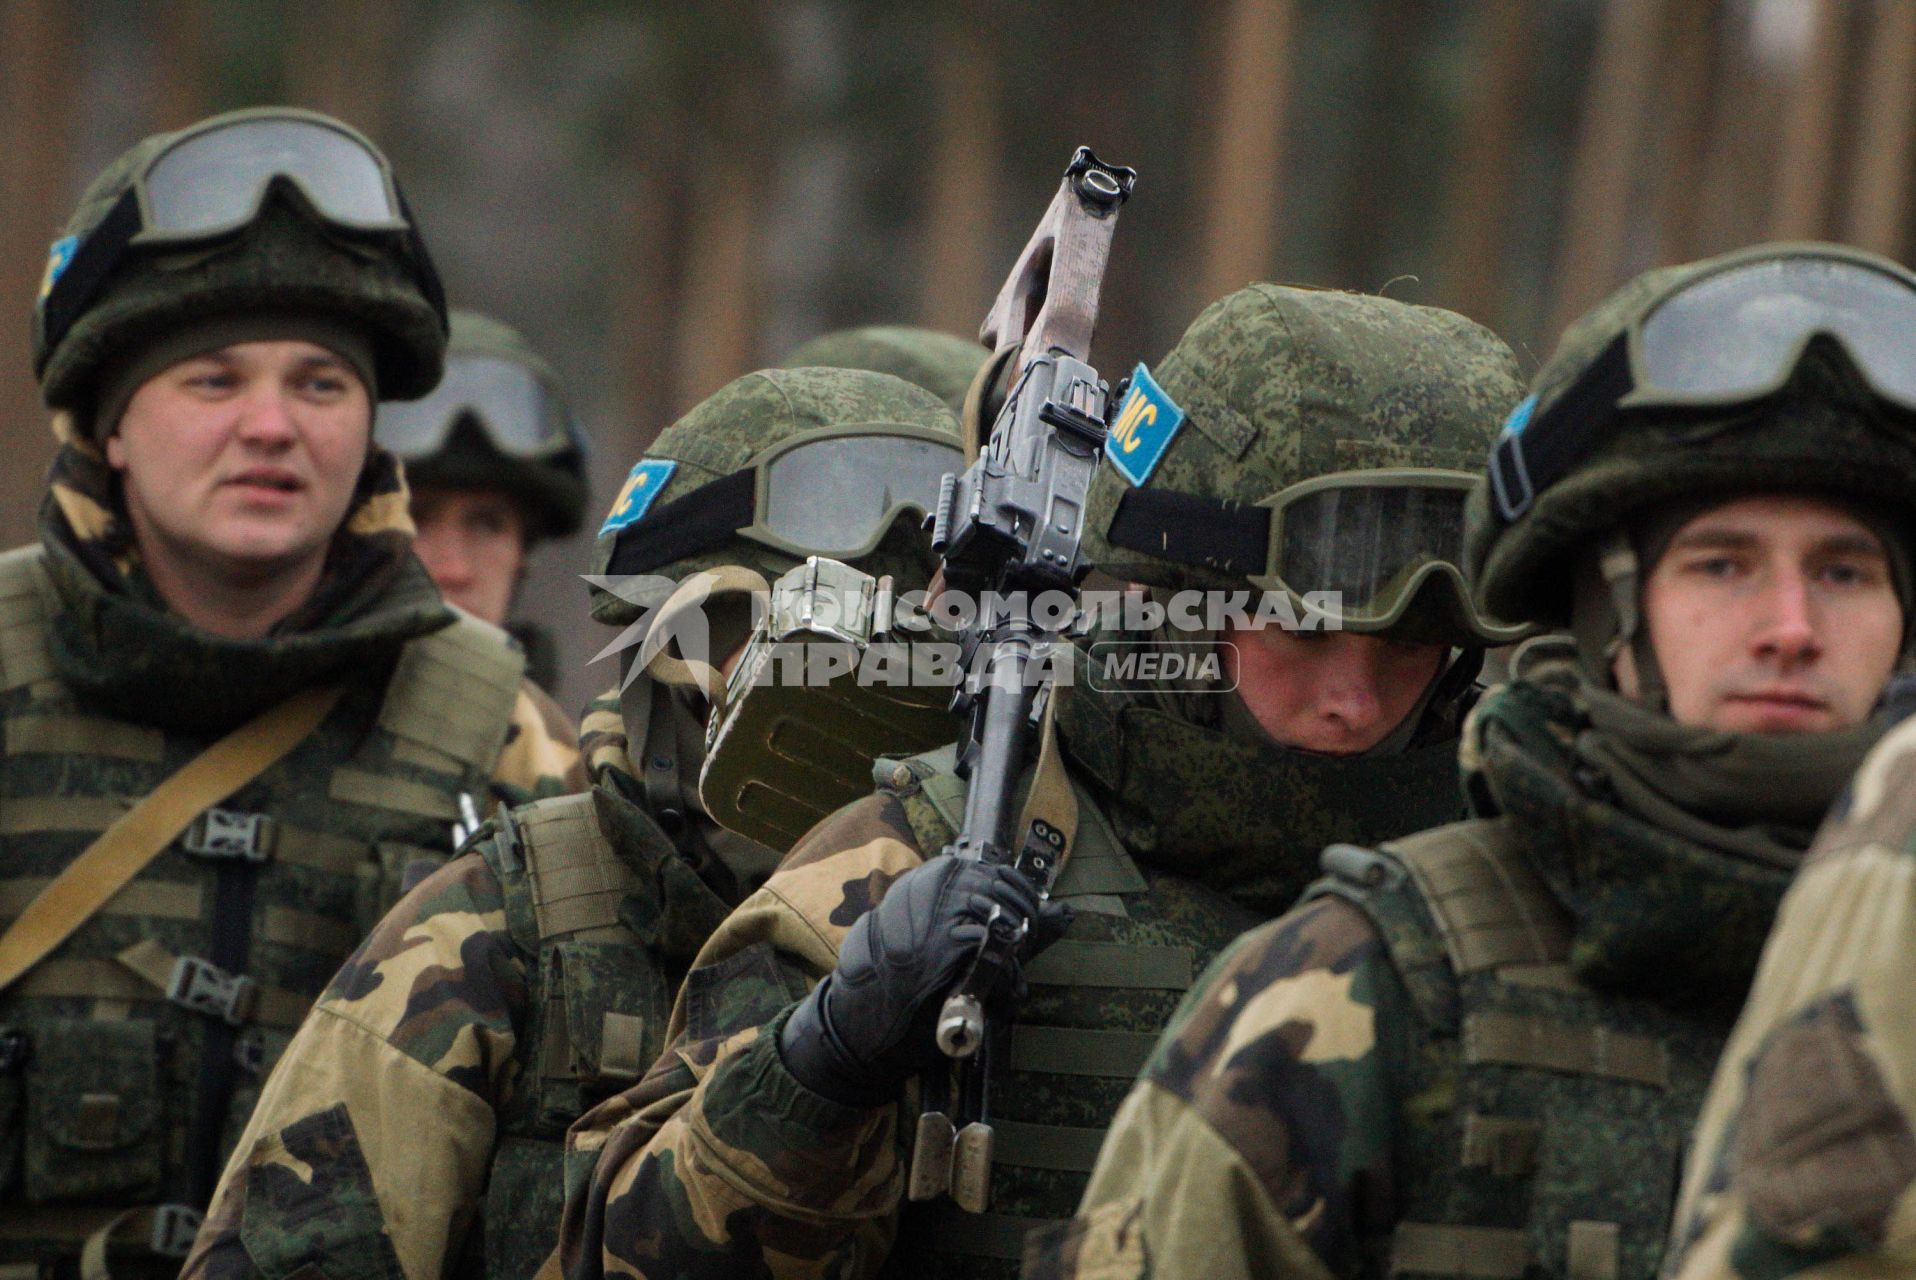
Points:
(271, 479)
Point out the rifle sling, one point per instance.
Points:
(131, 844)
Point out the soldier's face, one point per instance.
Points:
(1771, 614)
(243, 461)
(1334, 692)
(473, 543)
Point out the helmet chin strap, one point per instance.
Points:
(1622, 573)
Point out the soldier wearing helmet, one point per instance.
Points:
(776, 1131)
(426, 1098)
(1480, 1050)
(496, 463)
(942, 363)
(224, 683)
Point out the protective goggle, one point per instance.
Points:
(831, 492)
(1728, 338)
(1372, 541)
(210, 183)
(519, 414)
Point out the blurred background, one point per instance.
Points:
(663, 196)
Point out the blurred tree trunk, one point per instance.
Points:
(1372, 192)
(1617, 104)
(717, 336)
(343, 58)
(1806, 169)
(649, 302)
(179, 87)
(1740, 147)
(1879, 184)
(960, 217)
(1690, 74)
(36, 75)
(1239, 235)
(1473, 251)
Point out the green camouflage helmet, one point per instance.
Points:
(550, 484)
(939, 362)
(1823, 431)
(282, 261)
(1282, 385)
(738, 423)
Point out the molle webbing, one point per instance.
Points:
(575, 878)
(26, 605)
(450, 700)
(1490, 912)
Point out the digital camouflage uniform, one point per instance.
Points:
(721, 1162)
(942, 363)
(414, 1127)
(116, 1100)
(1480, 1050)
(1804, 1160)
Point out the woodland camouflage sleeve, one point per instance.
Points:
(719, 1163)
(1805, 1158)
(373, 1136)
(1265, 1111)
(541, 756)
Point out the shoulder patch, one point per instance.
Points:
(647, 477)
(59, 258)
(1147, 422)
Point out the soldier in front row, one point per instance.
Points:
(1481, 1050)
(226, 684)
(774, 1134)
(414, 1126)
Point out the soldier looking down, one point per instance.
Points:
(235, 707)
(1480, 1050)
(774, 1133)
(414, 1127)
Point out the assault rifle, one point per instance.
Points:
(1009, 529)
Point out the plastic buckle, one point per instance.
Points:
(228, 833)
(206, 988)
(174, 1226)
(250, 1055)
(1510, 485)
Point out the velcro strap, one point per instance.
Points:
(1070, 963)
(1505, 1146)
(151, 899)
(1470, 1253)
(1489, 909)
(1046, 1146)
(1594, 1249)
(76, 735)
(1073, 1051)
(193, 983)
(621, 1046)
(1514, 1040)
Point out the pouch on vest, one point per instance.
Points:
(603, 1024)
(93, 1111)
(822, 688)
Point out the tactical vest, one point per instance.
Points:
(1544, 1123)
(186, 986)
(598, 1002)
(1099, 998)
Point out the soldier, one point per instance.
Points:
(415, 1125)
(1478, 1051)
(230, 693)
(773, 1133)
(941, 363)
(496, 464)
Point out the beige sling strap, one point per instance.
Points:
(127, 847)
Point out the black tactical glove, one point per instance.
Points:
(871, 1024)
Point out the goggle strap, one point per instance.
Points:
(703, 519)
(93, 261)
(1525, 463)
(1210, 533)
(429, 281)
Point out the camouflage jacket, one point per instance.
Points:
(136, 1048)
(720, 1162)
(413, 1127)
(1805, 1159)
(1417, 1072)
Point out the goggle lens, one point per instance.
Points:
(212, 182)
(519, 415)
(837, 495)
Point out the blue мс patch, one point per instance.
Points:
(58, 259)
(1147, 421)
(635, 498)
(1520, 416)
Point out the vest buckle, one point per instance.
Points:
(228, 833)
(174, 1226)
(204, 987)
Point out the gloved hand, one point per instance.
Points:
(870, 1025)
